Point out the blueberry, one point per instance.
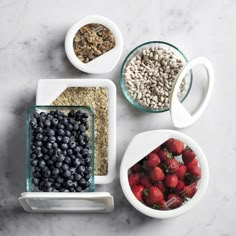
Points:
(88, 160)
(42, 114)
(50, 132)
(82, 182)
(38, 143)
(61, 132)
(34, 162)
(64, 121)
(82, 162)
(39, 130)
(64, 146)
(69, 127)
(67, 173)
(50, 152)
(45, 138)
(72, 144)
(52, 139)
(36, 115)
(59, 180)
(71, 121)
(67, 160)
(76, 162)
(39, 155)
(72, 170)
(33, 122)
(71, 114)
(87, 177)
(78, 114)
(72, 157)
(55, 121)
(85, 115)
(69, 152)
(65, 167)
(35, 181)
(75, 184)
(46, 157)
(71, 177)
(61, 126)
(69, 183)
(67, 133)
(65, 139)
(36, 174)
(86, 140)
(62, 190)
(42, 163)
(59, 138)
(37, 150)
(82, 128)
(49, 145)
(58, 164)
(33, 155)
(76, 127)
(55, 146)
(47, 173)
(60, 157)
(49, 162)
(55, 171)
(78, 189)
(78, 177)
(88, 170)
(49, 117)
(80, 169)
(78, 155)
(76, 149)
(72, 189)
(44, 150)
(54, 158)
(57, 185)
(47, 123)
(39, 137)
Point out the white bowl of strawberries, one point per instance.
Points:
(164, 173)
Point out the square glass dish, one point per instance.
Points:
(60, 149)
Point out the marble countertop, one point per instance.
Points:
(31, 47)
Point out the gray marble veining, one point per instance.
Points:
(31, 47)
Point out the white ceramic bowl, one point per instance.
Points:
(104, 63)
(139, 147)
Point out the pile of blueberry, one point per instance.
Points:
(60, 151)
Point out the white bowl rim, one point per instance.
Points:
(126, 164)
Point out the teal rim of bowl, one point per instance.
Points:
(122, 84)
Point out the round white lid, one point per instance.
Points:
(181, 118)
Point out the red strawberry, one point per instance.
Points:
(174, 200)
(181, 172)
(171, 181)
(194, 162)
(164, 154)
(134, 179)
(153, 195)
(138, 191)
(172, 165)
(153, 160)
(157, 174)
(161, 205)
(145, 181)
(180, 186)
(195, 171)
(188, 155)
(161, 186)
(189, 191)
(157, 149)
(136, 168)
(174, 145)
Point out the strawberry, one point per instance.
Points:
(181, 172)
(161, 186)
(153, 195)
(153, 160)
(171, 181)
(157, 174)
(194, 162)
(133, 179)
(138, 191)
(174, 200)
(145, 181)
(189, 191)
(195, 171)
(156, 150)
(188, 155)
(136, 168)
(161, 205)
(172, 165)
(180, 186)
(164, 154)
(174, 145)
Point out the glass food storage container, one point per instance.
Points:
(37, 199)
